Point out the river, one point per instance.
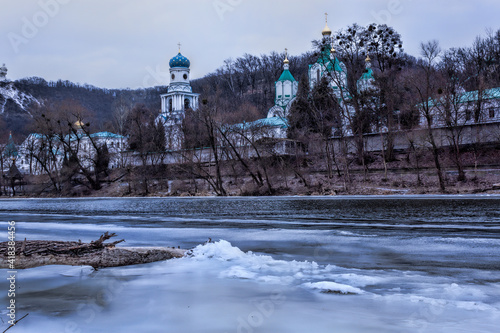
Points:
(279, 264)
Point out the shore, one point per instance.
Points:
(316, 184)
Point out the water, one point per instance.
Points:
(351, 264)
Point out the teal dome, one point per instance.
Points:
(179, 61)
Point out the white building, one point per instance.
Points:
(52, 151)
(466, 108)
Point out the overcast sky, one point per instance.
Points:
(128, 43)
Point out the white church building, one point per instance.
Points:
(177, 100)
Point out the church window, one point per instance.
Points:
(186, 104)
(185, 77)
(492, 113)
(173, 76)
(170, 105)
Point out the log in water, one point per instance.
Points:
(34, 253)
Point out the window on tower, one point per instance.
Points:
(186, 104)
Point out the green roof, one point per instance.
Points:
(108, 135)
(473, 96)
(271, 122)
(286, 76)
(335, 66)
(325, 60)
(367, 75)
(264, 122)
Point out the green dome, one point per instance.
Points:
(367, 75)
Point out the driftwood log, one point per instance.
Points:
(34, 253)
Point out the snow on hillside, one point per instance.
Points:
(9, 92)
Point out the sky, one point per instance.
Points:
(128, 43)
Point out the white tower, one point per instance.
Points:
(179, 96)
(286, 90)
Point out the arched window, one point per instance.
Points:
(187, 105)
(170, 105)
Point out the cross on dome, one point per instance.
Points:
(326, 31)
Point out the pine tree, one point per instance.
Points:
(300, 121)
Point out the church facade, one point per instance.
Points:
(285, 92)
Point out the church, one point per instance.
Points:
(180, 95)
(177, 100)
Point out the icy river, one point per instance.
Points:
(288, 264)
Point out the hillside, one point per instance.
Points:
(19, 98)
(245, 83)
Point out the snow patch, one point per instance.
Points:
(333, 287)
(265, 269)
(9, 92)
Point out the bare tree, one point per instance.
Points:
(147, 140)
(424, 82)
(201, 128)
(237, 137)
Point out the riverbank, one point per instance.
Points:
(373, 183)
(401, 176)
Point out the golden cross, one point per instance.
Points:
(179, 47)
(286, 53)
(326, 17)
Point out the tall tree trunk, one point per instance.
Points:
(437, 163)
